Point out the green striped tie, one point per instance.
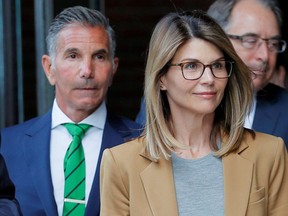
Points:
(74, 171)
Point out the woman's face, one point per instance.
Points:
(201, 96)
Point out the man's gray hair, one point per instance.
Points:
(81, 16)
(221, 10)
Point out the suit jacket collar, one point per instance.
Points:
(115, 132)
(38, 161)
(265, 109)
(161, 195)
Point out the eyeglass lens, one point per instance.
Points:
(194, 70)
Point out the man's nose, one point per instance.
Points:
(262, 51)
(86, 69)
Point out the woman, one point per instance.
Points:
(195, 157)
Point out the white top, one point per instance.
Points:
(250, 118)
(60, 140)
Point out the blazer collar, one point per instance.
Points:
(237, 172)
(158, 183)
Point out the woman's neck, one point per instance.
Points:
(193, 132)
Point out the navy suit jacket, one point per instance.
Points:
(271, 114)
(26, 149)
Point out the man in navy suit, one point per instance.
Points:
(254, 29)
(81, 65)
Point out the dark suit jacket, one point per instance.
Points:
(271, 114)
(26, 149)
(8, 205)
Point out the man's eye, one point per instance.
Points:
(73, 56)
(250, 40)
(99, 57)
(274, 43)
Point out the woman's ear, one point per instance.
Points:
(162, 83)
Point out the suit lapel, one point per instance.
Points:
(37, 154)
(160, 191)
(264, 114)
(267, 99)
(237, 173)
(115, 132)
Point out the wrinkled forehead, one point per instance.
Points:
(79, 35)
(252, 17)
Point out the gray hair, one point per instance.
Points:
(221, 10)
(82, 16)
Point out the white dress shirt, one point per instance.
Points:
(250, 118)
(60, 140)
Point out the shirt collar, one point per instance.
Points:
(96, 119)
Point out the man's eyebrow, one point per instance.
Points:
(101, 51)
(70, 50)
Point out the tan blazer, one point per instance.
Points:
(255, 180)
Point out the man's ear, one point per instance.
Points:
(116, 63)
(47, 66)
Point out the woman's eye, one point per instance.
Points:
(190, 66)
(217, 65)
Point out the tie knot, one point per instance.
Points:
(77, 129)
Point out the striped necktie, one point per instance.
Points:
(74, 171)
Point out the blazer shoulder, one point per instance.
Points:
(132, 147)
(263, 144)
(127, 158)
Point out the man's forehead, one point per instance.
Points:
(77, 37)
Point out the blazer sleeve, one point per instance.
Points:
(114, 195)
(278, 192)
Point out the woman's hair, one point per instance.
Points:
(170, 33)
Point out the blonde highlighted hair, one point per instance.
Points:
(170, 33)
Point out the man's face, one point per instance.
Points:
(82, 71)
(250, 18)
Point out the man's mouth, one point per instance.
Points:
(257, 71)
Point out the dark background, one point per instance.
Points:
(133, 22)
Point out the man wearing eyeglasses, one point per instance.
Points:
(253, 27)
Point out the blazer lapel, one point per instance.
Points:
(37, 151)
(160, 191)
(237, 173)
